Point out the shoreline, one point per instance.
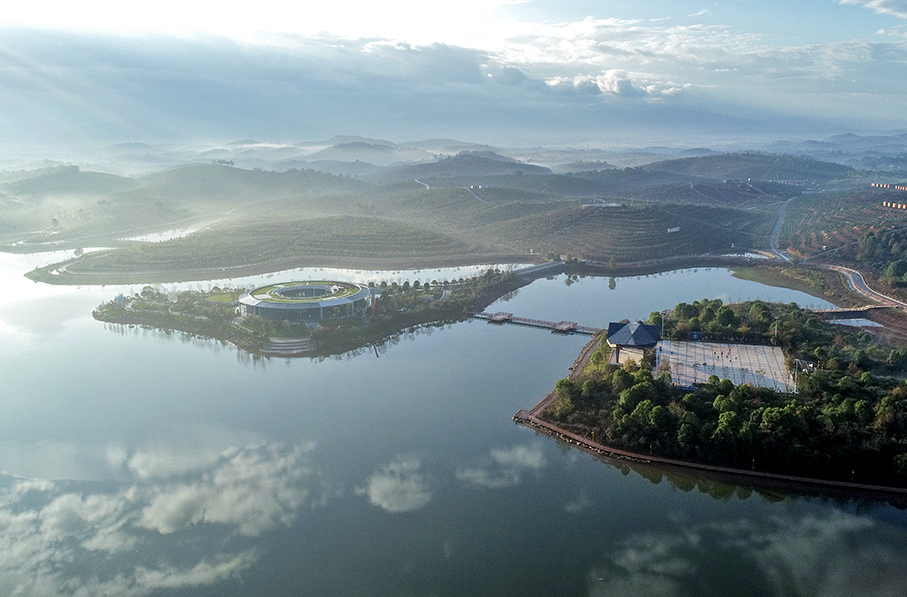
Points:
(66, 277)
(530, 420)
(59, 274)
(764, 479)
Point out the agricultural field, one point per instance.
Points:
(836, 219)
(341, 236)
(635, 233)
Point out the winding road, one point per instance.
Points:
(858, 284)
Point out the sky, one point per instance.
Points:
(491, 71)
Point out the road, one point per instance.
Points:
(773, 239)
(857, 283)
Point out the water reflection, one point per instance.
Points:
(503, 467)
(400, 486)
(816, 554)
(180, 523)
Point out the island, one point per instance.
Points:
(312, 318)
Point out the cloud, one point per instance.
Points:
(537, 81)
(399, 486)
(503, 468)
(897, 8)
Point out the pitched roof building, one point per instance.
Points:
(631, 335)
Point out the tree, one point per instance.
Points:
(896, 269)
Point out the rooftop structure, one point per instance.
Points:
(306, 301)
(630, 335)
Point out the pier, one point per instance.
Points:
(561, 327)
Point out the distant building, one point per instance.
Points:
(306, 301)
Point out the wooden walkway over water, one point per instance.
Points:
(561, 327)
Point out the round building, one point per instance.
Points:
(306, 301)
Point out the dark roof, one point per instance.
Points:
(632, 334)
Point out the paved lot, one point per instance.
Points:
(694, 362)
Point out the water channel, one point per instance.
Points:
(138, 462)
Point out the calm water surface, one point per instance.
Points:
(137, 462)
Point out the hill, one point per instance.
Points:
(472, 164)
(68, 180)
(231, 246)
(757, 166)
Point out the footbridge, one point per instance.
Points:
(560, 327)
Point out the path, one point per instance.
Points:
(427, 188)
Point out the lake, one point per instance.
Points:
(138, 462)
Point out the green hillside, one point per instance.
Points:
(342, 236)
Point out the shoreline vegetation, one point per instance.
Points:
(845, 428)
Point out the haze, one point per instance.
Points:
(502, 72)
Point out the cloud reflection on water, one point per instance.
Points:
(59, 537)
(503, 467)
(399, 486)
(780, 555)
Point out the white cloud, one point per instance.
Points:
(399, 486)
(897, 8)
(76, 515)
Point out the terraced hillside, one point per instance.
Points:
(835, 219)
(634, 233)
(340, 236)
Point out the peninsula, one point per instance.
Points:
(842, 420)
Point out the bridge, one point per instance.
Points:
(561, 327)
(848, 312)
(551, 268)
